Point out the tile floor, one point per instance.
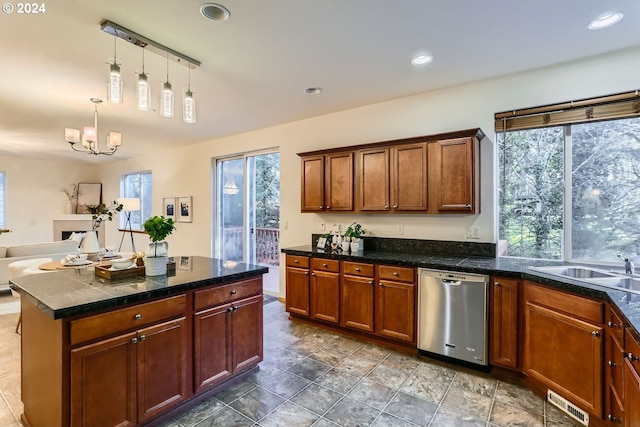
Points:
(310, 377)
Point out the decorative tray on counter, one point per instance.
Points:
(106, 272)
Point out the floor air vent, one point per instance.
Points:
(568, 408)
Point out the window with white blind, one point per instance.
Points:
(2, 200)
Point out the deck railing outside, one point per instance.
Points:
(267, 245)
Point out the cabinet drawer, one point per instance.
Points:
(125, 319)
(574, 305)
(322, 264)
(400, 274)
(632, 351)
(615, 327)
(298, 261)
(357, 269)
(223, 294)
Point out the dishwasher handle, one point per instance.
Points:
(451, 282)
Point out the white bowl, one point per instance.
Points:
(79, 257)
(121, 264)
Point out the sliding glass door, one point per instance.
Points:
(248, 208)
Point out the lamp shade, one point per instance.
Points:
(130, 204)
(115, 139)
(72, 135)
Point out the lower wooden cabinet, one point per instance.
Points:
(503, 322)
(298, 293)
(631, 380)
(614, 368)
(563, 345)
(325, 290)
(357, 302)
(396, 303)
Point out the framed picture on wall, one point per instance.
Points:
(89, 194)
(169, 207)
(184, 209)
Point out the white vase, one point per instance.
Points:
(345, 245)
(90, 243)
(155, 266)
(355, 246)
(157, 249)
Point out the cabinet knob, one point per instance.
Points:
(313, 274)
(631, 356)
(134, 340)
(235, 307)
(295, 261)
(137, 316)
(386, 206)
(497, 283)
(612, 325)
(468, 206)
(324, 265)
(595, 333)
(611, 363)
(610, 417)
(229, 310)
(357, 268)
(395, 206)
(395, 273)
(143, 337)
(380, 284)
(233, 292)
(328, 207)
(306, 273)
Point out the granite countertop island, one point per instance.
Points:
(72, 292)
(149, 346)
(441, 256)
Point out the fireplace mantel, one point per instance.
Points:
(74, 222)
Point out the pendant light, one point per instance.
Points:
(189, 103)
(166, 96)
(114, 92)
(143, 89)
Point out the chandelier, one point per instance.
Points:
(88, 140)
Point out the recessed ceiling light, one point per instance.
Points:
(605, 20)
(421, 59)
(313, 90)
(215, 12)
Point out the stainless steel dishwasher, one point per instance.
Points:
(452, 315)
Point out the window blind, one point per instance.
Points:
(617, 106)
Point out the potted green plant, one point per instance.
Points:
(354, 232)
(158, 228)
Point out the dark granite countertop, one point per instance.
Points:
(78, 291)
(628, 303)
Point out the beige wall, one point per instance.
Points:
(188, 171)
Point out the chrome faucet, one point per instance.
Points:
(628, 265)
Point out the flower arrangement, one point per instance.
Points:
(71, 194)
(354, 231)
(102, 212)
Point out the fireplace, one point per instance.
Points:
(64, 225)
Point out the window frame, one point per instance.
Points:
(144, 203)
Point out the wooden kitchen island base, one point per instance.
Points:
(137, 363)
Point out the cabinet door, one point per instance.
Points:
(374, 179)
(409, 177)
(395, 316)
(339, 182)
(565, 354)
(356, 303)
(503, 322)
(162, 368)
(631, 396)
(453, 165)
(297, 292)
(312, 196)
(247, 333)
(325, 296)
(212, 351)
(104, 372)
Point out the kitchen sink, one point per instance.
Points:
(594, 276)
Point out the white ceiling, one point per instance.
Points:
(256, 65)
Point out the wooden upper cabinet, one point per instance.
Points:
(327, 182)
(313, 183)
(454, 167)
(426, 174)
(409, 177)
(373, 174)
(339, 181)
